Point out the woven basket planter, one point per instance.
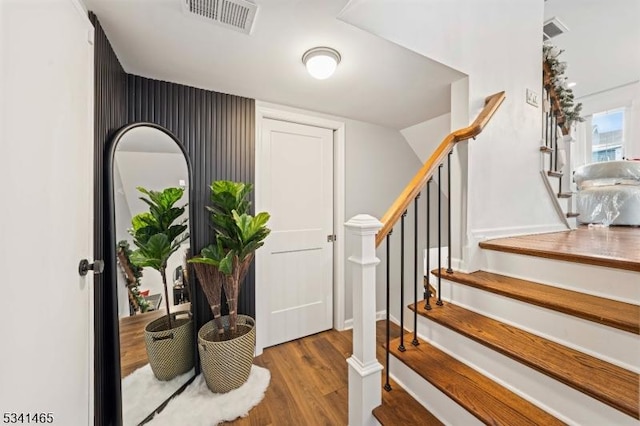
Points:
(170, 352)
(226, 364)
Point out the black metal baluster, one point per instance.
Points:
(387, 386)
(555, 147)
(449, 270)
(401, 347)
(551, 141)
(415, 342)
(439, 301)
(427, 291)
(546, 118)
(559, 177)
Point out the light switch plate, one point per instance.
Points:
(532, 98)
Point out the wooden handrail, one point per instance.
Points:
(420, 179)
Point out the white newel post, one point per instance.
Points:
(365, 391)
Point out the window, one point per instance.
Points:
(607, 139)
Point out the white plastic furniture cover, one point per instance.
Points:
(609, 193)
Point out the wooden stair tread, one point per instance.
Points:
(572, 214)
(608, 383)
(490, 402)
(613, 248)
(554, 173)
(623, 316)
(565, 195)
(400, 409)
(546, 149)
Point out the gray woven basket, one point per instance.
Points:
(226, 364)
(170, 352)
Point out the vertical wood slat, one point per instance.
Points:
(218, 132)
(110, 114)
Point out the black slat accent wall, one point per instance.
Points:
(110, 114)
(218, 132)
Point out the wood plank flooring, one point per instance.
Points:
(601, 380)
(614, 247)
(623, 316)
(309, 381)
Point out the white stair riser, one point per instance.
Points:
(564, 402)
(611, 283)
(601, 341)
(439, 404)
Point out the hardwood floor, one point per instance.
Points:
(308, 380)
(615, 247)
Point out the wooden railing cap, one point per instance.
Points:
(492, 103)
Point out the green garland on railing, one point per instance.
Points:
(137, 274)
(570, 109)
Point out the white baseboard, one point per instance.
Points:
(473, 256)
(394, 320)
(348, 324)
(490, 233)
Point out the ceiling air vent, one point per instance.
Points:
(235, 14)
(553, 28)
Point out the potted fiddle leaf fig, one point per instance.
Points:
(158, 234)
(227, 343)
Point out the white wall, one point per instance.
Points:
(150, 170)
(633, 141)
(497, 44)
(424, 137)
(379, 164)
(46, 223)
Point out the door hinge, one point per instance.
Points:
(331, 238)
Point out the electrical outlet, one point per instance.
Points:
(532, 98)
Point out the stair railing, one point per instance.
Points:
(555, 127)
(364, 369)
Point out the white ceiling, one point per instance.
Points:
(377, 81)
(602, 46)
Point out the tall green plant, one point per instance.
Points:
(237, 236)
(158, 234)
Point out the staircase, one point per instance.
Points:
(554, 152)
(511, 351)
(544, 332)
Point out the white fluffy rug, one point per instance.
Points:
(198, 406)
(142, 393)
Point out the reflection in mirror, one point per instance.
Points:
(156, 349)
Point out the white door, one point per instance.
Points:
(296, 188)
(46, 218)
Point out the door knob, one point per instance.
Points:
(97, 267)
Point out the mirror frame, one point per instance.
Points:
(107, 363)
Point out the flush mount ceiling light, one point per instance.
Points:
(321, 62)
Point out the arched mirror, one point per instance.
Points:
(148, 178)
